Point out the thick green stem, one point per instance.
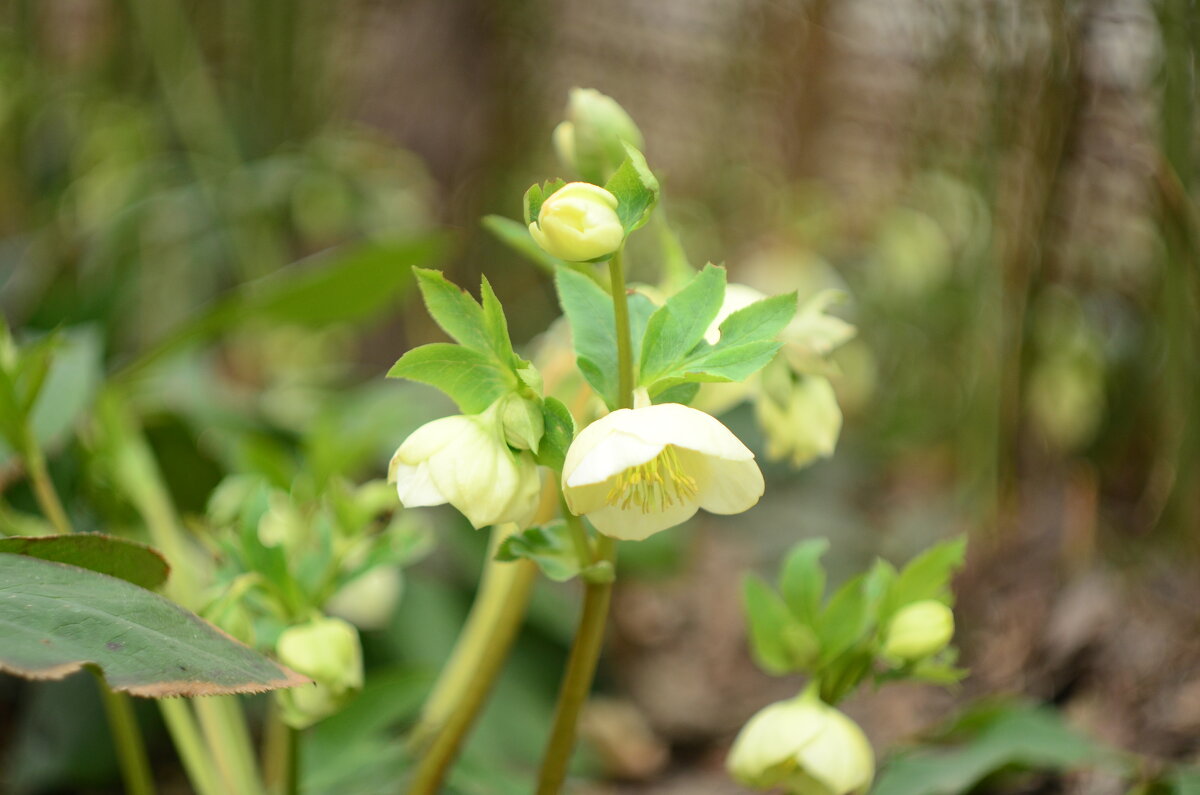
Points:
(577, 681)
(127, 739)
(281, 754)
(616, 274)
(589, 639)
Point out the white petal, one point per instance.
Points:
(587, 439)
(684, 427)
(415, 487)
(433, 437)
(839, 756)
(615, 453)
(631, 524)
(724, 487)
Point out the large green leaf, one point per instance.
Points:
(116, 557)
(56, 618)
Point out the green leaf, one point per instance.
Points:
(116, 557)
(636, 189)
(1018, 735)
(844, 620)
(57, 618)
(593, 330)
(495, 326)
(516, 236)
(678, 325)
(770, 625)
(720, 365)
(61, 382)
(536, 195)
(472, 379)
(761, 320)
(454, 310)
(549, 546)
(680, 393)
(559, 433)
(926, 576)
(802, 580)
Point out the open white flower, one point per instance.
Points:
(804, 747)
(635, 472)
(463, 460)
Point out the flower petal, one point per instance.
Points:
(684, 427)
(615, 452)
(415, 487)
(632, 524)
(723, 486)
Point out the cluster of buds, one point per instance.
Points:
(327, 651)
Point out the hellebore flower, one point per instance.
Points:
(919, 630)
(635, 472)
(327, 651)
(578, 223)
(805, 747)
(800, 420)
(463, 460)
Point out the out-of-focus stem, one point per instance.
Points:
(127, 738)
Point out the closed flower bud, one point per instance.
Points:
(919, 630)
(368, 600)
(523, 422)
(578, 223)
(464, 460)
(327, 651)
(591, 140)
(804, 747)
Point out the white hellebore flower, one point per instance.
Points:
(804, 747)
(578, 223)
(635, 472)
(463, 460)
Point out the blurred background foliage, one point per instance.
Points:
(217, 206)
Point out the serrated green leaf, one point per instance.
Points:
(495, 326)
(802, 581)
(761, 320)
(844, 620)
(559, 433)
(770, 625)
(680, 393)
(676, 327)
(636, 189)
(116, 557)
(516, 236)
(549, 546)
(453, 309)
(57, 618)
(719, 365)
(927, 576)
(472, 379)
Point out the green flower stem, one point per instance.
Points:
(616, 274)
(127, 739)
(577, 681)
(281, 754)
(589, 639)
(220, 718)
(474, 665)
(579, 537)
(43, 486)
(185, 735)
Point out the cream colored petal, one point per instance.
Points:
(616, 452)
(587, 440)
(588, 497)
(840, 756)
(631, 524)
(684, 427)
(433, 437)
(725, 487)
(415, 487)
(770, 739)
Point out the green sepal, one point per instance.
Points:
(536, 196)
(559, 433)
(636, 189)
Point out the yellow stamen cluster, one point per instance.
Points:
(654, 485)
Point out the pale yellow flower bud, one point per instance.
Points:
(919, 630)
(327, 651)
(578, 223)
(591, 141)
(804, 747)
